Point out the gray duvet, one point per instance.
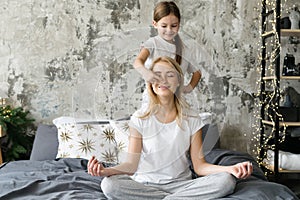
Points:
(67, 179)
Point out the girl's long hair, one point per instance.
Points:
(163, 9)
(180, 104)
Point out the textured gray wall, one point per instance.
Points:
(73, 57)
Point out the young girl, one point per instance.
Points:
(162, 139)
(166, 19)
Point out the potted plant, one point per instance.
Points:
(19, 127)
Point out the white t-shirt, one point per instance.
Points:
(165, 148)
(158, 47)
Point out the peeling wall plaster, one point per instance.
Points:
(75, 58)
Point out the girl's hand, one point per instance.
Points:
(188, 88)
(242, 170)
(148, 75)
(94, 167)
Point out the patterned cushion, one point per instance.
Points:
(85, 139)
(121, 129)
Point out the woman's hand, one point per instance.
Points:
(94, 167)
(242, 170)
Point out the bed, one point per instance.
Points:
(51, 173)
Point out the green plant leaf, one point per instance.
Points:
(19, 127)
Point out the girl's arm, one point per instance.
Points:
(95, 168)
(202, 168)
(194, 82)
(139, 65)
(141, 58)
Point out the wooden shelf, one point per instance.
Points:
(271, 168)
(269, 78)
(290, 77)
(281, 123)
(290, 32)
(269, 75)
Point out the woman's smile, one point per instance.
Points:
(169, 79)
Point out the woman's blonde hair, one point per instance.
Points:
(154, 103)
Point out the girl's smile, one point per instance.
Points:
(167, 27)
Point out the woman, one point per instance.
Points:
(162, 139)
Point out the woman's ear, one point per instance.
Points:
(154, 23)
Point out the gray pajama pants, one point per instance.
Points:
(207, 187)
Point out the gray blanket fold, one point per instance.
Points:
(68, 179)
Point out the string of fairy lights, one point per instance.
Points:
(272, 92)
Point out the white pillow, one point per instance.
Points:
(85, 139)
(121, 129)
